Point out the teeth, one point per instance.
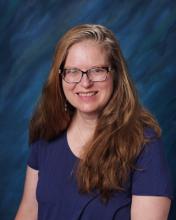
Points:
(86, 93)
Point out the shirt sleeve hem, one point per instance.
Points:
(32, 166)
(154, 194)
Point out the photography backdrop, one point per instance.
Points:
(29, 30)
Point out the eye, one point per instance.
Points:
(97, 70)
(71, 71)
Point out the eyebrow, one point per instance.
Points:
(97, 66)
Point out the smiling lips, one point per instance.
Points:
(86, 94)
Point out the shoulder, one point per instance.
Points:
(152, 146)
(40, 144)
(41, 149)
(152, 152)
(150, 133)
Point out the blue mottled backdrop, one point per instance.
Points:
(29, 31)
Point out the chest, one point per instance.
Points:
(57, 191)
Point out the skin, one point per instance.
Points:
(150, 208)
(28, 207)
(84, 56)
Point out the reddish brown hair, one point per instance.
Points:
(110, 155)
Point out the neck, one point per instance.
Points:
(85, 124)
(80, 132)
(86, 121)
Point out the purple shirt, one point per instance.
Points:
(57, 192)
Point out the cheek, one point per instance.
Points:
(109, 87)
(106, 91)
(67, 88)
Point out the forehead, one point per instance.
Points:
(87, 53)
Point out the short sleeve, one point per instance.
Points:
(33, 159)
(152, 175)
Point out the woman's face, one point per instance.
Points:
(87, 97)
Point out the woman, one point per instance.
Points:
(96, 152)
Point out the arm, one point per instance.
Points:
(150, 207)
(28, 207)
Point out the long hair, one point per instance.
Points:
(110, 155)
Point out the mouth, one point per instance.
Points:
(86, 94)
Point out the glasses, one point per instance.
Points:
(95, 74)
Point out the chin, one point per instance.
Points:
(89, 111)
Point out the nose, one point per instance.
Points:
(85, 81)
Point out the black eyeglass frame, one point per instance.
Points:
(108, 69)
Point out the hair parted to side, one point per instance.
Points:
(119, 136)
